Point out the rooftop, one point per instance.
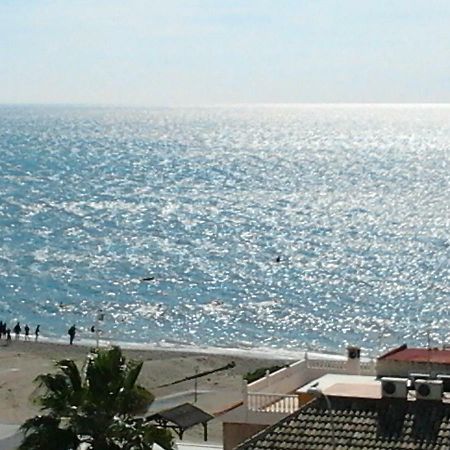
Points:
(360, 424)
(345, 386)
(420, 355)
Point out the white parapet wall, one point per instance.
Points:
(282, 381)
(287, 380)
(273, 397)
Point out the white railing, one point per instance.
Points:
(278, 403)
(366, 367)
(326, 364)
(273, 392)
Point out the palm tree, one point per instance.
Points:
(93, 409)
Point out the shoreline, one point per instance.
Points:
(266, 353)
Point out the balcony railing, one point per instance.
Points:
(366, 367)
(274, 403)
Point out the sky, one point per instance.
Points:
(207, 52)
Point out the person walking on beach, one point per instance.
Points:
(36, 332)
(17, 329)
(27, 332)
(71, 333)
(1, 329)
(8, 334)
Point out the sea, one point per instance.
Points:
(259, 227)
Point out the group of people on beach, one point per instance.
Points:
(5, 331)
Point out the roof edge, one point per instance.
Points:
(256, 436)
(393, 351)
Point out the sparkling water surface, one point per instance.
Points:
(352, 200)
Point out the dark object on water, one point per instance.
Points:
(148, 279)
(93, 329)
(278, 259)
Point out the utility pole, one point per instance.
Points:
(195, 385)
(99, 318)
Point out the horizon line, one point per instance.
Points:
(225, 105)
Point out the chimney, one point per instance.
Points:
(353, 364)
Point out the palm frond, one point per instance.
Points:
(95, 405)
(56, 392)
(70, 369)
(44, 433)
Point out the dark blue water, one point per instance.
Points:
(353, 200)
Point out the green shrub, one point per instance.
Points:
(259, 373)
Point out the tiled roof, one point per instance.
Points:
(360, 424)
(421, 355)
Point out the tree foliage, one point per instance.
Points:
(94, 408)
(250, 377)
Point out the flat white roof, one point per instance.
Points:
(360, 386)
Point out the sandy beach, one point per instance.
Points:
(21, 362)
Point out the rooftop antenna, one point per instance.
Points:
(429, 350)
(380, 342)
(381, 335)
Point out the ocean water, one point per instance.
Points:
(273, 227)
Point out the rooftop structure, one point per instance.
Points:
(181, 418)
(276, 395)
(402, 375)
(359, 386)
(417, 355)
(359, 424)
(403, 361)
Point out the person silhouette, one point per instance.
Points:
(71, 333)
(36, 332)
(17, 329)
(27, 332)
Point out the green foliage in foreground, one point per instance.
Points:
(94, 408)
(259, 373)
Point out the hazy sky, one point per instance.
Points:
(171, 52)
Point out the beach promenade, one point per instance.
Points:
(21, 362)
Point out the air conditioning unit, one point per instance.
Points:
(413, 376)
(394, 387)
(429, 389)
(353, 352)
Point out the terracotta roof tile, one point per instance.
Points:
(360, 424)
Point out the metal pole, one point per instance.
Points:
(98, 318)
(195, 385)
(97, 334)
